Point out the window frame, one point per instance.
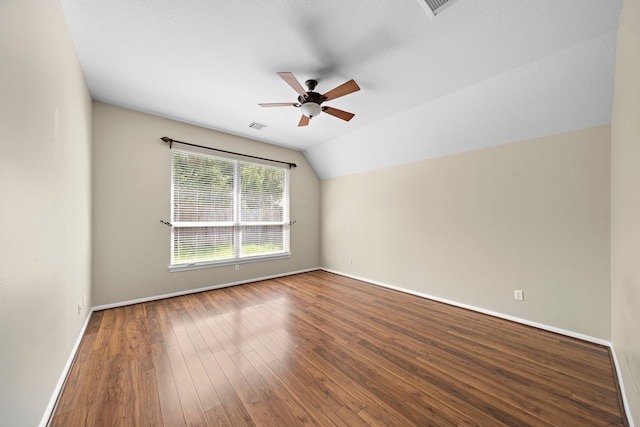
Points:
(236, 224)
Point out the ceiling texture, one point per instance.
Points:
(480, 73)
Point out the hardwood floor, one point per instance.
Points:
(318, 349)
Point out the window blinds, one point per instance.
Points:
(226, 209)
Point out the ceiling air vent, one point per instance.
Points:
(257, 126)
(433, 7)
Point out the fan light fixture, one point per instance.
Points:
(310, 109)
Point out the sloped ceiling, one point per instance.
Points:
(481, 73)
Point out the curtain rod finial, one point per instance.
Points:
(169, 140)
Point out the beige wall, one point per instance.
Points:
(131, 194)
(45, 249)
(473, 227)
(625, 206)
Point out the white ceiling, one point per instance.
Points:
(481, 73)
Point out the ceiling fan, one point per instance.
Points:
(310, 102)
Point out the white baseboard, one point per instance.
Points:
(513, 319)
(625, 402)
(195, 291)
(46, 417)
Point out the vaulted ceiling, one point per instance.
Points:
(481, 73)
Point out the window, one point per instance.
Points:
(226, 211)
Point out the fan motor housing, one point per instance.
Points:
(311, 97)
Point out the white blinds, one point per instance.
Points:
(225, 209)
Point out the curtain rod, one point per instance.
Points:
(171, 141)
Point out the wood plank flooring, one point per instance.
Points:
(318, 349)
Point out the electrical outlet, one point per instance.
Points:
(79, 309)
(518, 295)
(237, 267)
(84, 300)
(350, 261)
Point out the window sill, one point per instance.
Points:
(223, 263)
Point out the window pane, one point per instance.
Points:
(262, 191)
(262, 239)
(202, 188)
(192, 244)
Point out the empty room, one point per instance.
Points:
(335, 213)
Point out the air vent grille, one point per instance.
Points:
(433, 7)
(257, 126)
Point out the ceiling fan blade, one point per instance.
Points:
(342, 90)
(278, 104)
(293, 82)
(304, 121)
(344, 115)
